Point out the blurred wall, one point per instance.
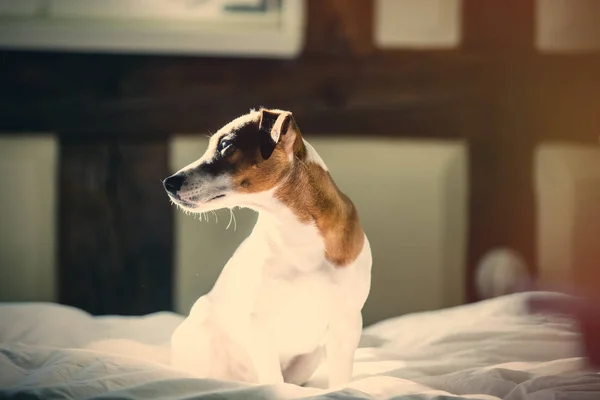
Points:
(28, 218)
(568, 196)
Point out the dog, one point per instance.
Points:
(292, 294)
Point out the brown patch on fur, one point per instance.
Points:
(252, 177)
(313, 196)
(306, 188)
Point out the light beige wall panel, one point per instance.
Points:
(28, 188)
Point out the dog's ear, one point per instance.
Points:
(267, 124)
(279, 127)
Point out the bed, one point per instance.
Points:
(488, 350)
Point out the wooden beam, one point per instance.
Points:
(133, 95)
(402, 93)
(115, 221)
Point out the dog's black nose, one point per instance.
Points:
(173, 183)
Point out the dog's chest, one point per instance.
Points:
(298, 308)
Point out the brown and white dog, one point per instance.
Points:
(292, 293)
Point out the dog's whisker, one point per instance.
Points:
(230, 218)
(216, 216)
(234, 221)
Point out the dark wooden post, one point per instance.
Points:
(115, 221)
(501, 201)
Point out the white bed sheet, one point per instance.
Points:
(487, 350)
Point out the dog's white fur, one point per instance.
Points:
(278, 308)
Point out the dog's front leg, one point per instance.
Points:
(261, 348)
(342, 340)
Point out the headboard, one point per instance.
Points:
(115, 117)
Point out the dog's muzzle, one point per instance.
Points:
(178, 190)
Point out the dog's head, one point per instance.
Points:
(249, 155)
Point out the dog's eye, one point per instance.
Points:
(225, 147)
